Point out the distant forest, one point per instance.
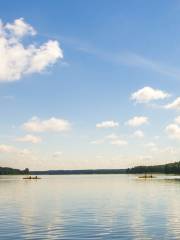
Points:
(170, 168)
(166, 168)
(12, 171)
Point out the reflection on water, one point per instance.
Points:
(89, 207)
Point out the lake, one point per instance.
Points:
(89, 207)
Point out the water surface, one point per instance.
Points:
(89, 207)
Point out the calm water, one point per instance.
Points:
(89, 207)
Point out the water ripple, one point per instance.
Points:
(89, 207)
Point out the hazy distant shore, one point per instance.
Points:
(170, 168)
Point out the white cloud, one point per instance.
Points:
(47, 54)
(107, 124)
(18, 59)
(137, 121)
(139, 134)
(173, 130)
(11, 149)
(19, 28)
(174, 105)
(50, 125)
(30, 138)
(177, 120)
(148, 94)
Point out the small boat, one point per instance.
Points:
(29, 178)
(146, 176)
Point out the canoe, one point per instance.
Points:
(29, 178)
(146, 176)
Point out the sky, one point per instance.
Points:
(89, 84)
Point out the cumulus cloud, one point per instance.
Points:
(49, 125)
(19, 59)
(107, 124)
(174, 105)
(148, 94)
(19, 28)
(177, 120)
(30, 138)
(139, 134)
(173, 130)
(137, 121)
(11, 149)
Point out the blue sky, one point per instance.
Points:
(67, 95)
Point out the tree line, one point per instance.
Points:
(12, 171)
(165, 168)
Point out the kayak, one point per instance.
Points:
(145, 176)
(29, 178)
